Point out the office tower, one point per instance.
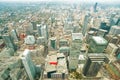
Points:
(43, 31)
(9, 41)
(28, 64)
(112, 22)
(93, 64)
(53, 42)
(115, 30)
(85, 25)
(39, 29)
(95, 7)
(104, 26)
(14, 35)
(34, 25)
(97, 44)
(73, 63)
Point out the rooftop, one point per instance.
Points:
(99, 40)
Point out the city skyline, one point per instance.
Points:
(108, 1)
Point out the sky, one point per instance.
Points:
(64, 0)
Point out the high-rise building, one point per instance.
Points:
(93, 64)
(39, 29)
(104, 26)
(14, 35)
(95, 7)
(114, 30)
(97, 44)
(85, 25)
(28, 64)
(53, 42)
(112, 22)
(43, 31)
(34, 25)
(9, 41)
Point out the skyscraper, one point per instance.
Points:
(114, 30)
(85, 25)
(28, 64)
(14, 35)
(9, 41)
(95, 7)
(44, 32)
(93, 64)
(39, 29)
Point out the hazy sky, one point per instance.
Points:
(65, 0)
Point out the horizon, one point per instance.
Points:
(71, 1)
